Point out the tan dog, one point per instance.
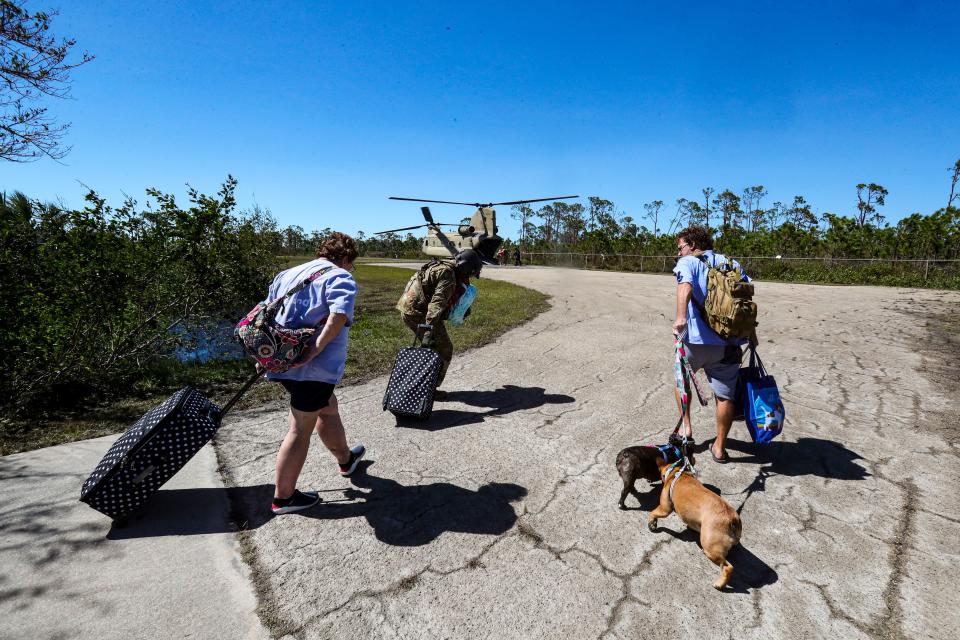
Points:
(702, 510)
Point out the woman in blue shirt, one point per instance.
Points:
(328, 302)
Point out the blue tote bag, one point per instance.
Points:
(460, 310)
(759, 399)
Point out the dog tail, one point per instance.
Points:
(735, 529)
(620, 457)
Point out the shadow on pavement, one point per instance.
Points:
(400, 515)
(648, 500)
(415, 515)
(190, 512)
(749, 571)
(506, 399)
(806, 456)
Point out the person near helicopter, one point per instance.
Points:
(430, 295)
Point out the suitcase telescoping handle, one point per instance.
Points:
(232, 401)
(419, 335)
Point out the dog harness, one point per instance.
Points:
(681, 463)
(685, 467)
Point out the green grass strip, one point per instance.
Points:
(376, 336)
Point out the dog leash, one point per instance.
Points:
(685, 377)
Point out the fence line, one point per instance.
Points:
(664, 263)
(671, 257)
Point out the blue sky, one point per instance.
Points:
(321, 110)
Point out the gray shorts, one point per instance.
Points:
(721, 364)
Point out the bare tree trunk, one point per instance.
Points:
(953, 184)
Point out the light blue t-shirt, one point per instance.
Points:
(692, 270)
(333, 292)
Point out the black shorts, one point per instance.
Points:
(308, 395)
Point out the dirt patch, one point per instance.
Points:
(940, 350)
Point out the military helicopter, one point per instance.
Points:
(478, 232)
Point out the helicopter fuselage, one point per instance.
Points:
(479, 233)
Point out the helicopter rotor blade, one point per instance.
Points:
(483, 204)
(535, 200)
(419, 226)
(469, 204)
(400, 229)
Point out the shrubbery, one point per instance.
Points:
(96, 300)
(93, 298)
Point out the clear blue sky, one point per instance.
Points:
(323, 109)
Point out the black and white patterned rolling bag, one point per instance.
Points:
(413, 382)
(155, 448)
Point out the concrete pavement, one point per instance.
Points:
(65, 573)
(498, 518)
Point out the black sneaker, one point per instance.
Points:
(356, 452)
(299, 501)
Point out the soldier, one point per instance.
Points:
(430, 295)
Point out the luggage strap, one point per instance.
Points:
(295, 290)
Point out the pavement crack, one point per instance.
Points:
(890, 624)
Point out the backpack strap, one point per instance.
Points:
(433, 262)
(726, 261)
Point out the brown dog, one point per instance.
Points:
(702, 510)
(634, 463)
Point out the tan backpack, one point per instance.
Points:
(414, 299)
(729, 308)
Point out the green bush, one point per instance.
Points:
(95, 296)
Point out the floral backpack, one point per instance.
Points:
(273, 346)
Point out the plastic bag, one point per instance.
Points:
(459, 312)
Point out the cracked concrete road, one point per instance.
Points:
(498, 519)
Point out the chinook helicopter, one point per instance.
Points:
(478, 232)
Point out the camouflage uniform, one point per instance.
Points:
(426, 299)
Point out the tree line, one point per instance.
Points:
(744, 225)
(100, 298)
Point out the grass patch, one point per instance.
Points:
(375, 337)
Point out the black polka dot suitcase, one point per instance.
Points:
(155, 448)
(413, 382)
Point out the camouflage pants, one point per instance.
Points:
(441, 341)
